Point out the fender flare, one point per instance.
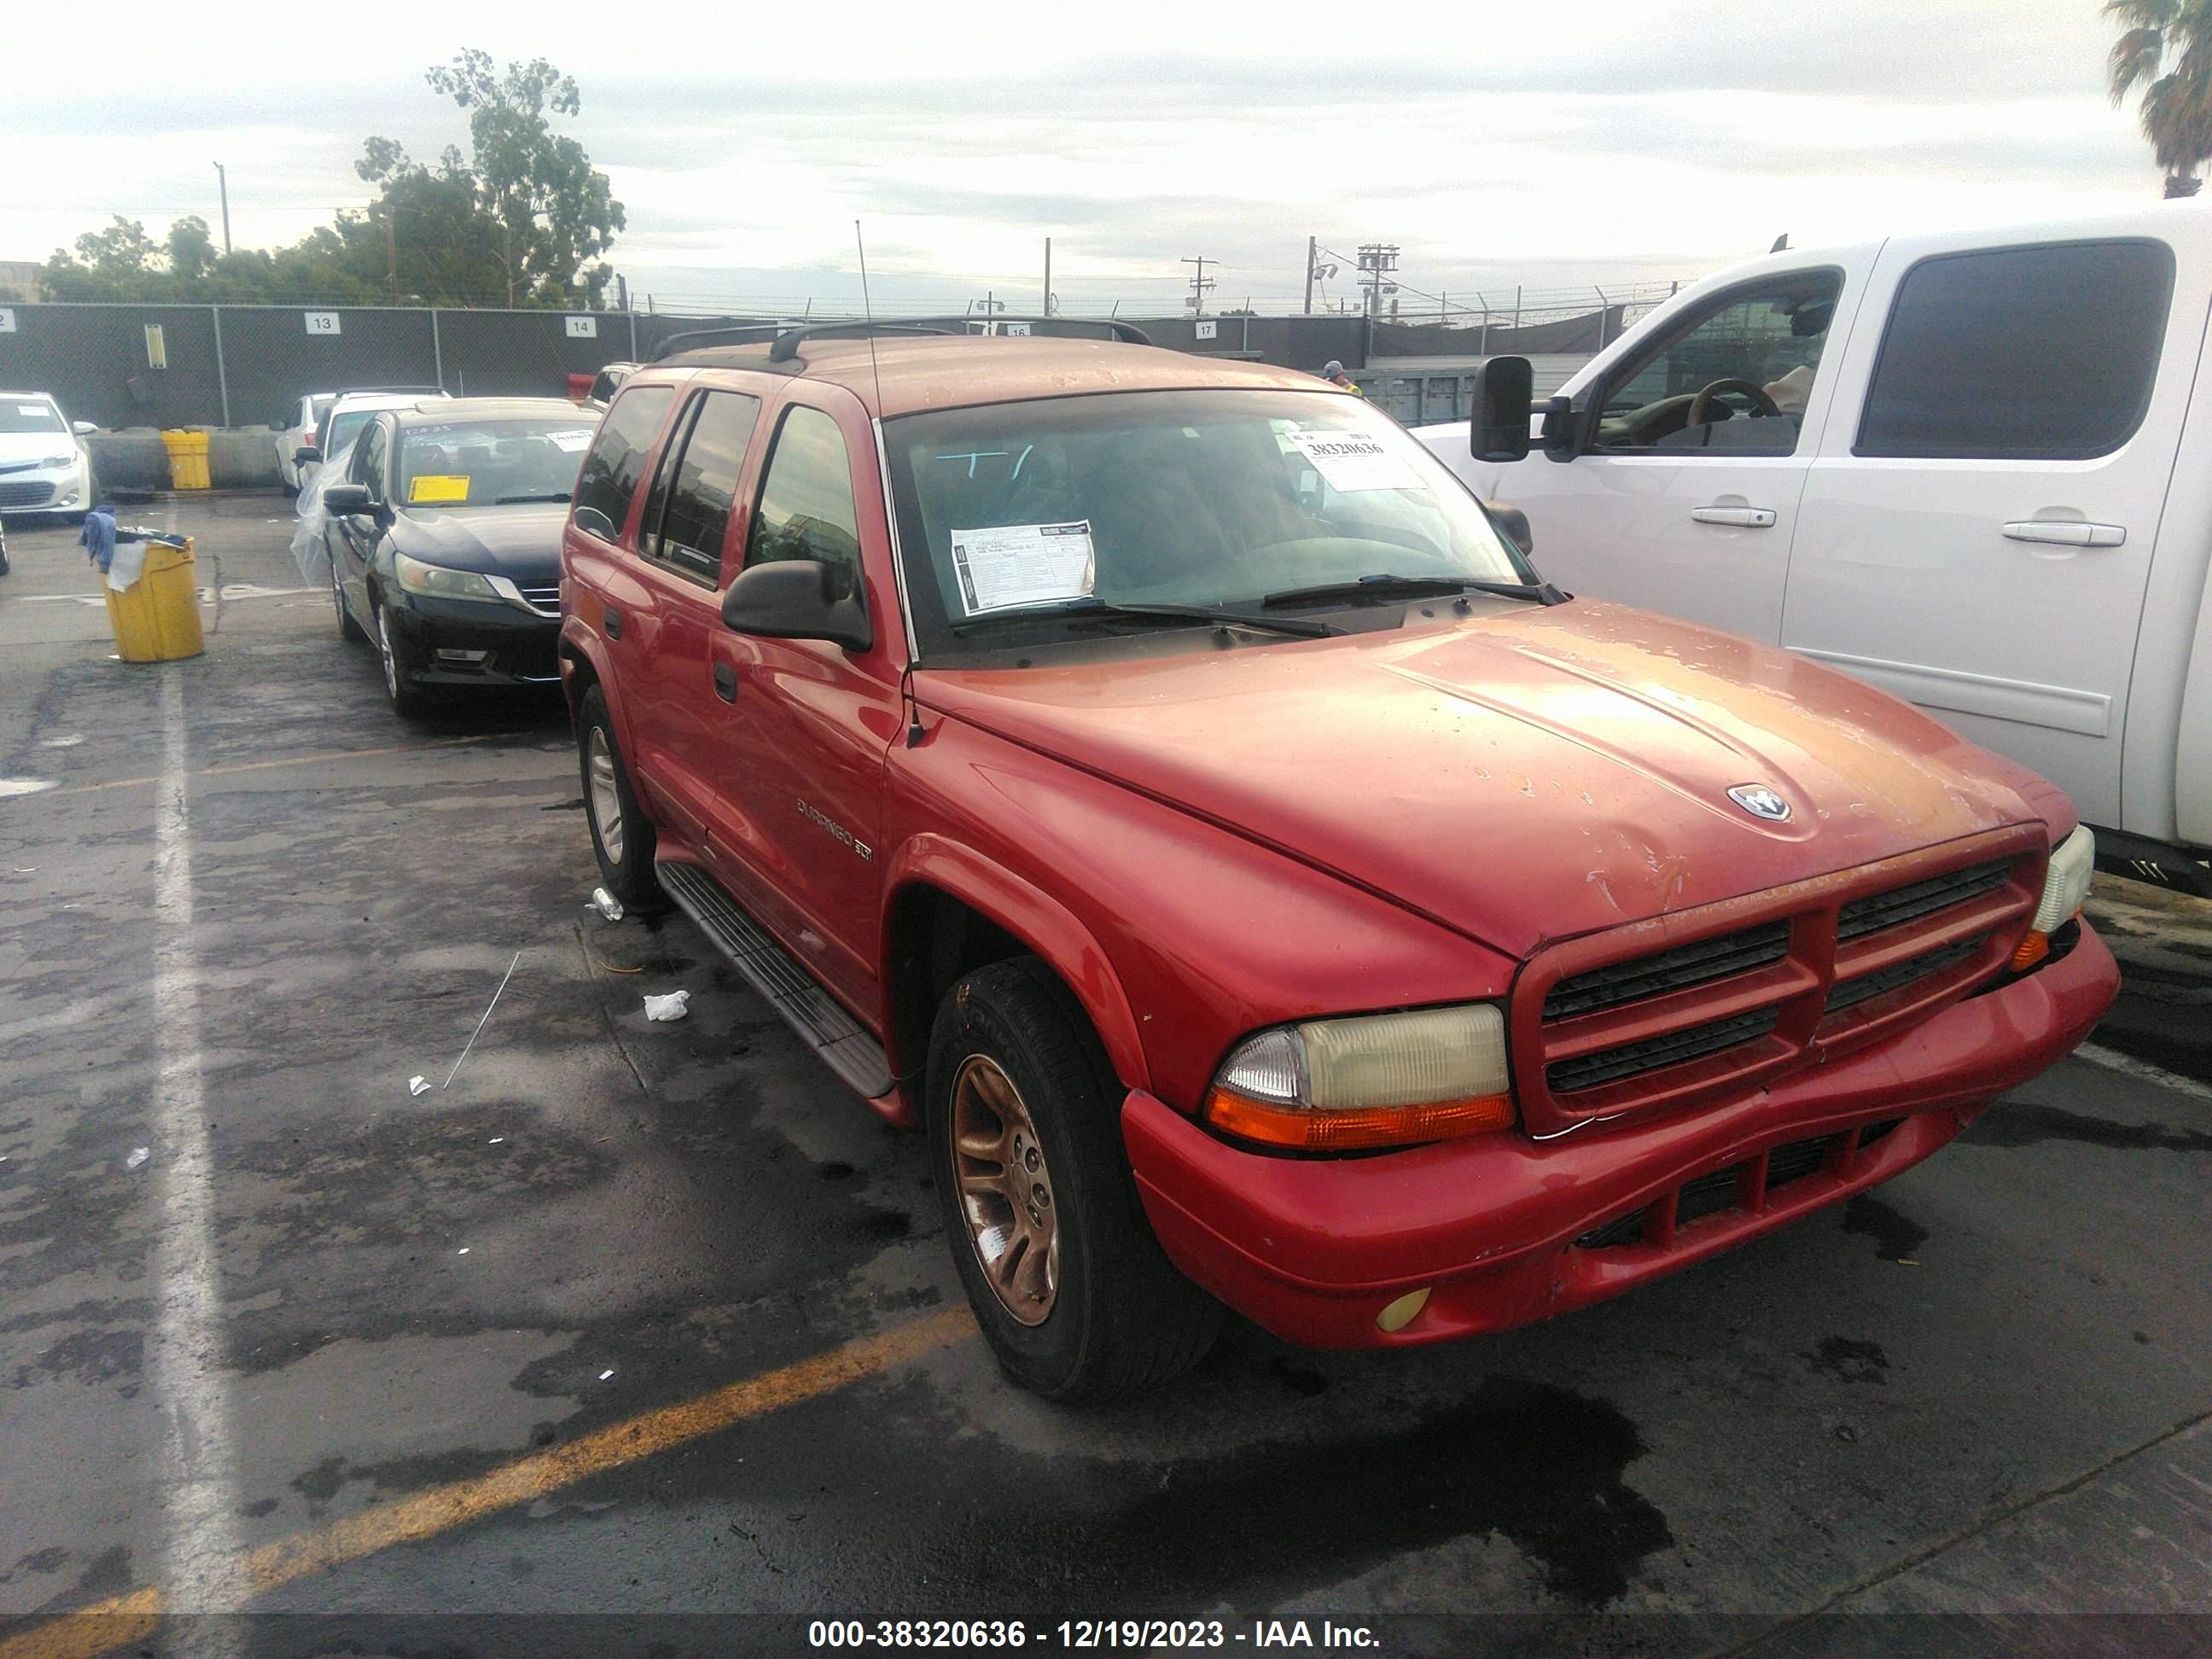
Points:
(1040, 922)
(580, 644)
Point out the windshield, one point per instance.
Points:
(491, 463)
(1017, 519)
(16, 417)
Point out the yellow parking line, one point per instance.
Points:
(106, 1624)
(263, 766)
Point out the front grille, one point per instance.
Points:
(25, 492)
(1633, 1058)
(545, 601)
(1670, 970)
(1903, 904)
(1848, 993)
(1724, 1190)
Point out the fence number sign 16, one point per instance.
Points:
(322, 322)
(583, 328)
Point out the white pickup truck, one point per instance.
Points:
(1974, 469)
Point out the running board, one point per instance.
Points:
(820, 1020)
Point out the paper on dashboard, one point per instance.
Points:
(1008, 566)
(1350, 462)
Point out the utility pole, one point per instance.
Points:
(222, 184)
(1198, 284)
(391, 253)
(622, 291)
(1377, 260)
(1048, 276)
(1313, 252)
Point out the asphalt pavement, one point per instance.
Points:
(653, 1321)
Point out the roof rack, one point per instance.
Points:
(1129, 333)
(676, 343)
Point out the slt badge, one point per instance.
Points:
(1761, 802)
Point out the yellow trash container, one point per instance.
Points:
(188, 458)
(157, 617)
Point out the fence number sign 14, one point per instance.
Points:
(322, 322)
(583, 328)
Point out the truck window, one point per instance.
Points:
(2020, 354)
(806, 509)
(615, 460)
(700, 481)
(1734, 380)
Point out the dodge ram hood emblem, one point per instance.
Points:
(1759, 801)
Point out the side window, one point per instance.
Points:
(2021, 354)
(806, 509)
(1735, 380)
(368, 459)
(615, 460)
(687, 517)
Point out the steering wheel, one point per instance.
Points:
(1701, 406)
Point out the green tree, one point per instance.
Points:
(2165, 49)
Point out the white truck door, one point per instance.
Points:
(1686, 498)
(1978, 525)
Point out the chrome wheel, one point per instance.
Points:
(384, 650)
(1006, 1191)
(605, 799)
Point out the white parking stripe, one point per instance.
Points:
(200, 1552)
(2111, 1060)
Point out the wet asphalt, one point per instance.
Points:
(1980, 1391)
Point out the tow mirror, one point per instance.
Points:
(345, 500)
(798, 599)
(1497, 430)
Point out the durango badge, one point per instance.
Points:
(1759, 801)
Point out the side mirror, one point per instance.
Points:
(798, 599)
(83, 428)
(1512, 523)
(1497, 426)
(345, 500)
(307, 455)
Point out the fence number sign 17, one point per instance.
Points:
(321, 322)
(583, 328)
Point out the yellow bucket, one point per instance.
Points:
(188, 460)
(157, 617)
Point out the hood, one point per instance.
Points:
(520, 541)
(17, 448)
(1523, 776)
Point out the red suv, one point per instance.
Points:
(1160, 779)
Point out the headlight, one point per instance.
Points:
(2065, 888)
(438, 582)
(1372, 1080)
(57, 460)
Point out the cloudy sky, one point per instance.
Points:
(1551, 147)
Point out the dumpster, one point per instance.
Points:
(157, 617)
(188, 460)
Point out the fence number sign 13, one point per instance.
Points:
(322, 322)
(583, 328)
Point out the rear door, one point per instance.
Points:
(1977, 528)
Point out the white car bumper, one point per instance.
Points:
(47, 489)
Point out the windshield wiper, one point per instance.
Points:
(1384, 586)
(551, 496)
(1179, 613)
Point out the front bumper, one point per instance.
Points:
(58, 489)
(439, 640)
(1314, 1249)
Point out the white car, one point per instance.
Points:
(298, 427)
(1972, 468)
(349, 412)
(45, 466)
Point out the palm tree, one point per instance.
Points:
(2166, 49)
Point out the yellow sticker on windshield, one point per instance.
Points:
(438, 487)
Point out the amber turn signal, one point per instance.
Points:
(1349, 1129)
(2034, 947)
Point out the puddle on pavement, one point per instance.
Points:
(1896, 1237)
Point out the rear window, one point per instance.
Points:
(2021, 354)
(616, 461)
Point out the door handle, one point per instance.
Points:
(726, 682)
(2067, 532)
(1744, 517)
(611, 621)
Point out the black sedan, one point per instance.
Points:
(445, 541)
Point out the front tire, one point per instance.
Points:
(1070, 1287)
(406, 702)
(623, 837)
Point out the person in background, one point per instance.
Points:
(1333, 372)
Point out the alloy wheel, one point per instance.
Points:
(384, 650)
(605, 799)
(1006, 1190)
